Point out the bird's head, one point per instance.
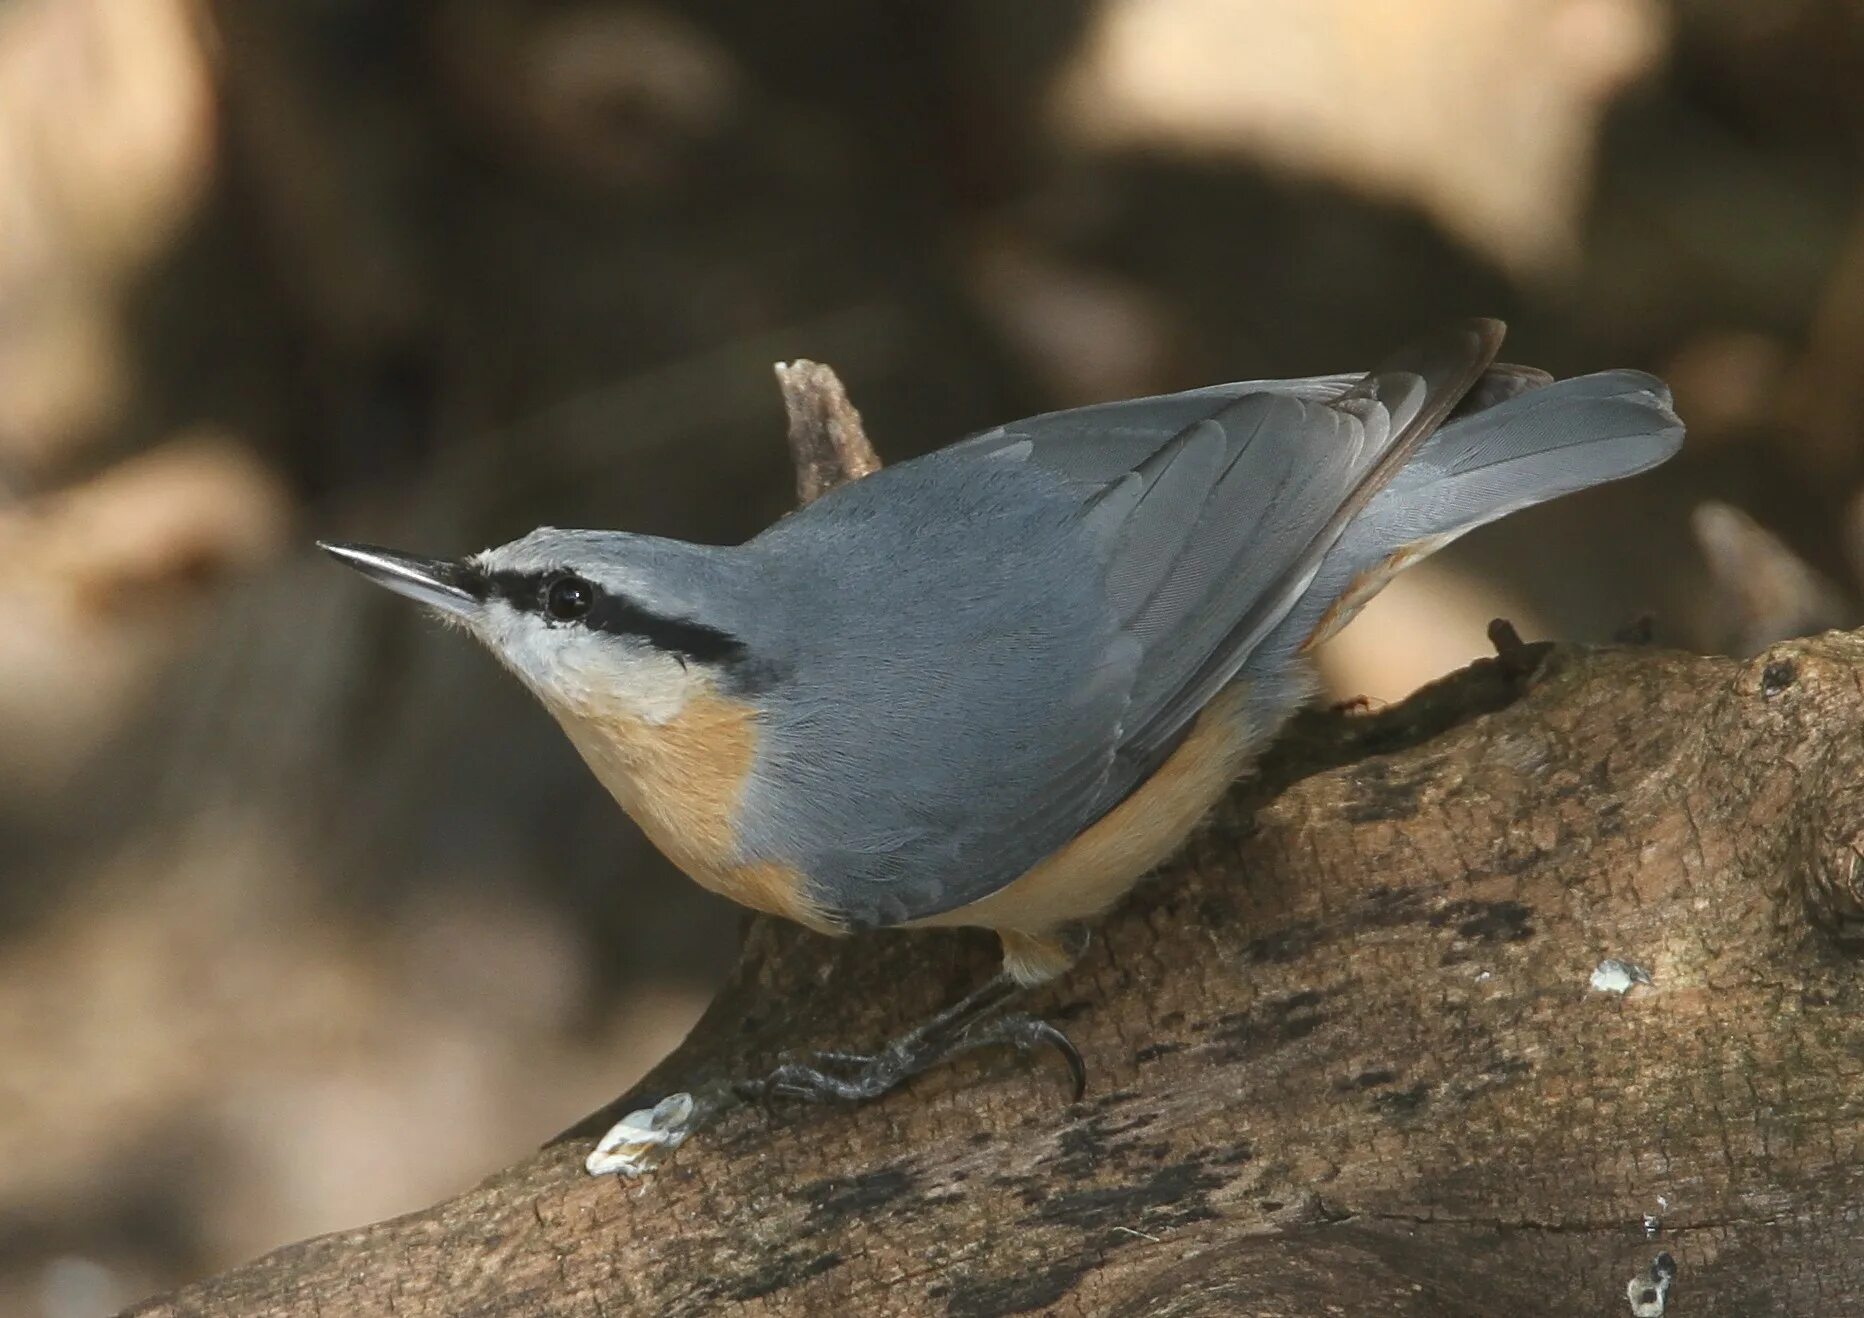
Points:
(597, 623)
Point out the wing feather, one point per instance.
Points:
(1236, 508)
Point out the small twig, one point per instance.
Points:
(827, 441)
(1641, 630)
(1517, 658)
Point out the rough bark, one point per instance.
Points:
(828, 443)
(1346, 1052)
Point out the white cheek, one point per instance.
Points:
(654, 686)
(588, 673)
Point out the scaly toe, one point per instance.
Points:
(871, 1077)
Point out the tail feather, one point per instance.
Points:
(1538, 444)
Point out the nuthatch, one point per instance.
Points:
(996, 685)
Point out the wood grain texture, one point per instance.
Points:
(1344, 1053)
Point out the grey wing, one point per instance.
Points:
(1212, 538)
(1211, 511)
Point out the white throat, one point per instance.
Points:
(589, 675)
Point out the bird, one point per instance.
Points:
(996, 685)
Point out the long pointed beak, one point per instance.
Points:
(437, 582)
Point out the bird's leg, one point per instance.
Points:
(971, 1022)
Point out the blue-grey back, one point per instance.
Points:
(947, 659)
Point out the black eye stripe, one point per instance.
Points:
(614, 614)
(689, 640)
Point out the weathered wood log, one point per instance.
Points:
(1349, 1053)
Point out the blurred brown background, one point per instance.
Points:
(306, 915)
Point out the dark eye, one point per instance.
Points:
(568, 598)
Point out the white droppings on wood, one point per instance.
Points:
(636, 1144)
(1614, 976)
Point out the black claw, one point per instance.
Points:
(1077, 1066)
(1028, 1033)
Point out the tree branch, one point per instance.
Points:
(1346, 1050)
(827, 442)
